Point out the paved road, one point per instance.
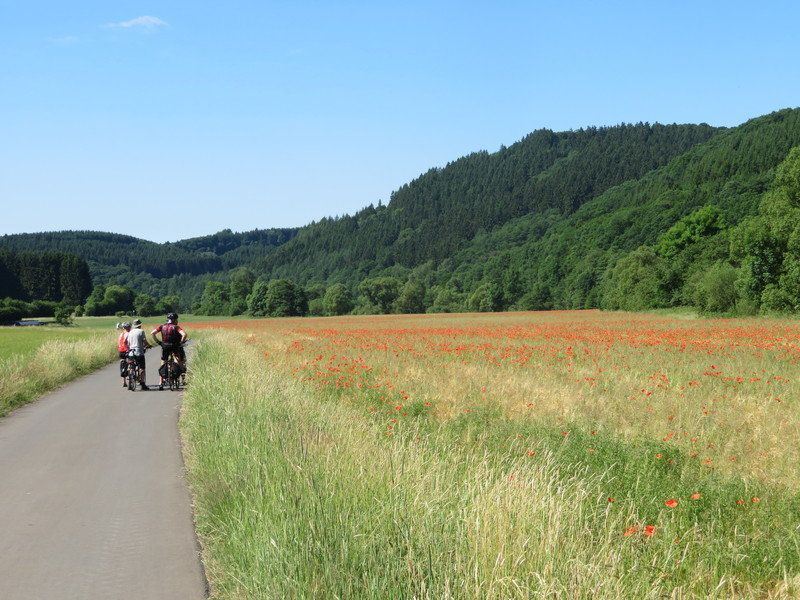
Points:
(93, 503)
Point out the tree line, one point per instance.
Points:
(106, 252)
(36, 284)
(751, 267)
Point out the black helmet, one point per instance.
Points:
(172, 317)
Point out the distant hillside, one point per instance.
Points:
(633, 216)
(208, 254)
(171, 268)
(438, 213)
(236, 249)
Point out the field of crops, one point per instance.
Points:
(571, 454)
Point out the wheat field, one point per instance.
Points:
(517, 455)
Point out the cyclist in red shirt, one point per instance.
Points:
(172, 338)
(122, 348)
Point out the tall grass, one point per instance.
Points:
(301, 495)
(23, 377)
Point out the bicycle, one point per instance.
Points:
(133, 372)
(172, 373)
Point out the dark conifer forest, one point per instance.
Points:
(633, 217)
(36, 283)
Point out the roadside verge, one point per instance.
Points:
(25, 377)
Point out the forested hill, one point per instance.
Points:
(576, 220)
(633, 217)
(437, 214)
(667, 229)
(209, 254)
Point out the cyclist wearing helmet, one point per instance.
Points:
(172, 336)
(122, 348)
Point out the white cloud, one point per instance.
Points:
(145, 21)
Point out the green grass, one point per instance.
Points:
(24, 341)
(300, 494)
(26, 376)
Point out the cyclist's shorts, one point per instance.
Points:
(175, 349)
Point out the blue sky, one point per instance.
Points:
(259, 114)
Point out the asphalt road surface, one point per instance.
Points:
(93, 502)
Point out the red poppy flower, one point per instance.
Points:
(631, 530)
(671, 503)
(695, 496)
(740, 502)
(659, 455)
(611, 499)
(755, 499)
(649, 530)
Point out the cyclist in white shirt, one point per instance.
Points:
(137, 344)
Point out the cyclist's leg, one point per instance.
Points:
(131, 367)
(142, 370)
(176, 360)
(180, 355)
(123, 370)
(162, 370)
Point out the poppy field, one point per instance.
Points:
(512, 455)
